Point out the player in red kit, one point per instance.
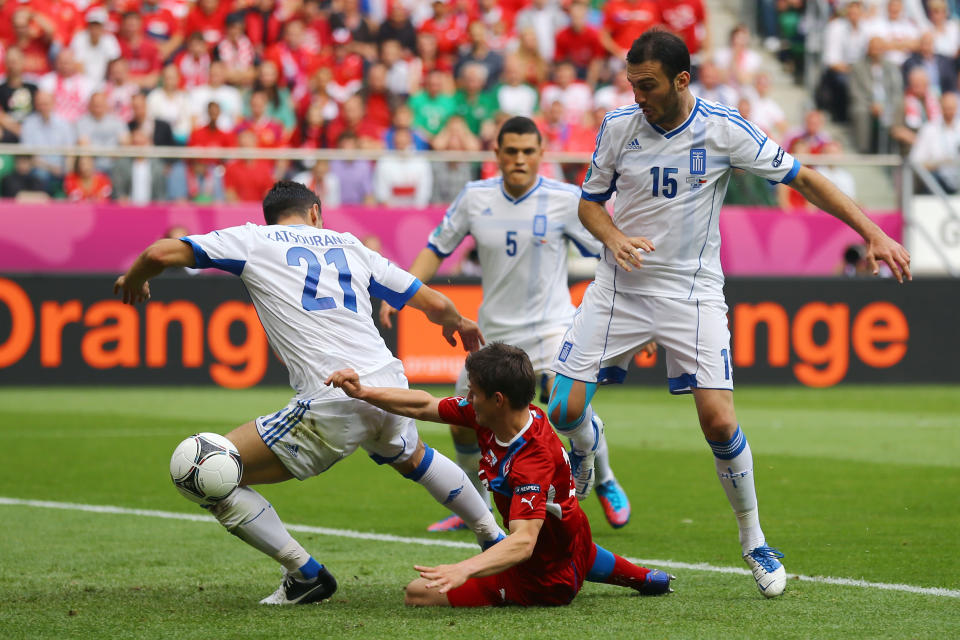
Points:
(549, 551)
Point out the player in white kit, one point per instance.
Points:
(669, 158)
(311, 288)
(521, 223)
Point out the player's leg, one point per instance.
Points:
(571, 414)
(489, 591)
(417, 594)
(609, 568)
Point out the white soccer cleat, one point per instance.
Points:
(293, 590)
(583, 477)
(767, 570)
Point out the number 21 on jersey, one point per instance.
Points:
(335, 257)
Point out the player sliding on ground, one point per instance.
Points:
(311, 288)
(549, 551)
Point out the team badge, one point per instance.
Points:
(540, 225)
(698, 162)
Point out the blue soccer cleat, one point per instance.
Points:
(616, 506)
(656, 583)
(486, 544)
(767, 570)
(453, 522)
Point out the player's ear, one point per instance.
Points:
(682, 81)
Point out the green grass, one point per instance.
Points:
(854, 482)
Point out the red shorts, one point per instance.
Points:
(518, 587)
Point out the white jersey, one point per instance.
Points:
(670, 186)
(311, 288)
(521, 243)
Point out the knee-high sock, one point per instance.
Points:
(449, 486)
(586, 430)
(602, 465)
(247, 515)
(734, 463)
(610, 568)
(468, 459)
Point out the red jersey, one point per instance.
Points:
(161, 25)
(142, 59)
(580, 48)
(530, 479)
(250, 181)
(211, 25)
(98, 189)
(687, 19)
(626, 20)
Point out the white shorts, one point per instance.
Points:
(609, 329)
(541, 349)
(310, 436)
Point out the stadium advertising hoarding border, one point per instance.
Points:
(203, 330)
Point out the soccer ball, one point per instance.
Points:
(205, 468)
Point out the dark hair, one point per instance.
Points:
(504, 368)
(661, 46)
(288, 198)
(519, 125)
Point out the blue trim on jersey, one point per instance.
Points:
(705, 240)
(678, 130)
(206, 262)
(499, 484)
(440, 254)
(421, 469)
(586, 253)
(611, 115)
(682, 383)
(603, 565)
(734, 116)
(602, 197)
(560, 186)
(611, 375)
(513, 200)
(794, 170)
(395, 299)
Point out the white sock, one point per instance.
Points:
(449, 486)
(468, 459)
(734, 463)
(602, 469)
(247, 515)
(587, 434)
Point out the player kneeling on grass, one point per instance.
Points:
(549, 550)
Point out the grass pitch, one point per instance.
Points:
(857, 483)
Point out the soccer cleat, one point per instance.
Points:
(616, 506)
(296, 591)
(453, 522)
(582, 469)
(767, 570)
(486, 544)
(656, 583)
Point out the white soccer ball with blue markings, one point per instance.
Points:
(205, 468)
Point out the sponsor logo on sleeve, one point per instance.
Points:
(565, 351)
(778, 160)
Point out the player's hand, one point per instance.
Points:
(346, 379)
(130, 292)
(470, 335)
(628, 252)
(890, 251)
(387, 313)
(444, 577)
(650, 348)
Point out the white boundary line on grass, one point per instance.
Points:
(431, 542)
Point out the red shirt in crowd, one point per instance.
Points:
(249, 179)
(269, 132)
(626, 20)
(687, 19)
(579, 48)
(98, 189)
(142, 59)
(161, 25)
(211, 25)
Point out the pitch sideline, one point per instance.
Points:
(430, 542)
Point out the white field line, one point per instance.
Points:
(433, 542)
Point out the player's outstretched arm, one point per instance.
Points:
(418, 405)
(133, 286)
(424, 267)
(626, 250)
(514, 549)
(880, 247)
(440, 310)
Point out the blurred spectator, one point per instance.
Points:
(193, 63)
(310, 133)
(87, 184)
(449, 26)
(579, 44)
(766, 112)
(355, 176)
(940, 70)
(352, 119)
(101, 128)
(471, 101)
(403, 119)
(688, 19)
(94, 47)
(432, 106)
(575, 94)
(844, 43)
(398, 27)
(547, 18)
(323, 183)
(247, 180)
(854, 263)
(263, 23)
(402, 80)
(279, 104)
(535, 66)
(945, 29)
(738, 61)
(363, 33)
(450, 177)
(119, 89)
(44, 128)
(71, 90)
(514, 96)
(237, 52)
(378, 101)
(139, 180)
(920, 105)
(196, 180)
(209, 18)
(876, 99)
(839, 176)
(427, 57)
(212, 134)
(937, 147)
(553, 125)
(900, 33)
(142, 55)
(22, 183)
(157, 131)
(171, 104)
(403, 179)
(710, 86)
(16, 97)
(293, 59)
(624, 21)
(32, 35)
(614, 95)
(267, 131)
(480, 53)
(162, 27)
(316, 27)
(812, 135)
(346, 67)
(226, 96)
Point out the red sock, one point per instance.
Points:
(627, 574)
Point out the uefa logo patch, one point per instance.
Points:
(698, 162)
(565, 351)
(779, 159)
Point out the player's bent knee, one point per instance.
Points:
(566, 407)
(416, 594)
